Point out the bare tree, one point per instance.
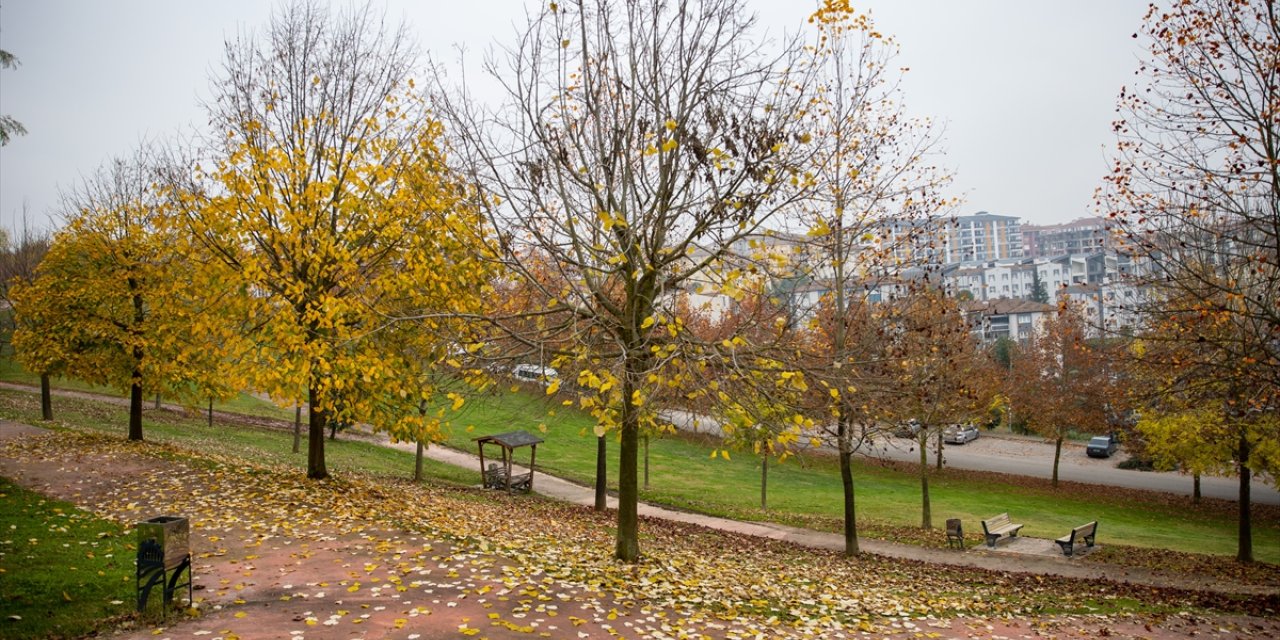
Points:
(637, 142)
(1195, 194)
(871, 221)
(1195, 190)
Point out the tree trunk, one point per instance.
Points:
(926, 517)
(297, 427)
(646, 463)
(764, 482)
(1057, 455)
(843, 436)
(333, 429)
(1245, 551)
(46, 397)
(1195, 488)
(417, 463)
(158, 400)
(939, 461)
(628, 549)
(135, 407)
(135, 378)
(211, 412)
(315, 437)
(602, 483)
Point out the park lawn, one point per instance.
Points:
(806, 490)
(11, 371)
(260, 444)
(52, 548)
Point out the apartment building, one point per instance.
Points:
(1085, 235)
(982, 237)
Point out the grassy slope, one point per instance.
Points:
(682, 475)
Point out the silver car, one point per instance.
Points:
(960, 434)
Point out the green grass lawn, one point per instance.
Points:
(63, 572)
(11, 371)
(807, 491)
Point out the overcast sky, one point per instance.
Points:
(1026, 89)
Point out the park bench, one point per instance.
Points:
(495, 477)
(1085, 532)
(998, 527)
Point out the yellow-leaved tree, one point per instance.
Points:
(114, 301)
(330, 201)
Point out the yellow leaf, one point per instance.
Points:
(648, 322)
(669, 145)
(553, 387)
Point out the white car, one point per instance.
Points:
(960, 434)
(535, 373)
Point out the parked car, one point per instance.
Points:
(1102, 446)
(907, 429)
(960, 434)
(534, 373)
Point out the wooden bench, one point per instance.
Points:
(1085, 532)
(998, 527)
(495, 477)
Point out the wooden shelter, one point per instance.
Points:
(501, 477)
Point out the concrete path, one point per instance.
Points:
(1022, 556)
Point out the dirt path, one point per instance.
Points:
(277, 559)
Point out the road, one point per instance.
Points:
(1034, 458)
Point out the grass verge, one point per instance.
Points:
(64, 573)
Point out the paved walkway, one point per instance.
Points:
(1027, 556)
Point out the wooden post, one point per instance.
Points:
(507, 455)
(483, 482)
(646, 463)
(533, 456)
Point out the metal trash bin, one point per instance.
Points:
(164, 552)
